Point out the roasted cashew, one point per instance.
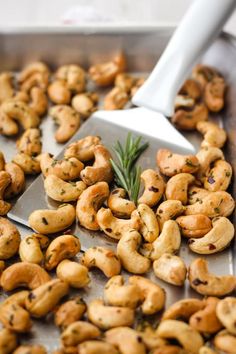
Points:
(115, 227)
(171, 269)
(126, 340)
(59, 93)
(106, 317)
(25, 274)
(225, 342)
(34, 74)
(79, 332)
(8, 341)
(184, 102)
(85, 103)
(68, 120)
(149, 228)
(127, 251)
(195, 194)
(215, 204)
(171, 164)
(125, 82)
(30, 248)
(9, 239)
(48, 221)
(214, 94)
(207, 283)
(62, 247)
(75, 274)
(169, 349)
(183, 309)
(63, 191)
(101, 170)
(8, 126)
(203, 74)
(120, 207)
(154, 295)
(30, 349)
(137, 84)
(39, 101)
(104, 74)
(90, 200)
(29, 164)
(104, 259)
(17, 180)
(30, 142)
(2, 161)
(194, 225)
(6, 86)
(5, 180)
(67, 169)
(217, 239)
(188, 337)
(69, 312)
(45, 298)
(205, 320)
(83, 149)
(167, 242)
(226, 312)
(150, 339)
(218, 177)
(177, 187)
(213, 134)
(206, 156)
(154, 186)
(116, 293)
(115, 99)
(74, 76)
(96, 347)
(168, 210)
(187, 118)
(191, 88)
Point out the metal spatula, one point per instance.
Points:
(200, 26)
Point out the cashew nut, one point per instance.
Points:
(188, 118)
(8, 341)
(115, 99)
(138, 83)
(63, 191)
(62, 247)
(30, 142)
(5, 180)
(217, 239)
(154, 186)
(30, 349)
(226, 313)
(171, 164)
(184, 102)
(83, 149)
(25, 274)
(154, 296)
(194, 225)
(69, 312)
(169, 349)
(203, 74)
(39, 101)
(125, 82)
(30, 248)
(34, 74)
(171, 269)
(219, 177)
(104, 259)
(101, 170)
(6, 86)
(149, 228)
(2, 161)
(96, 347)
(90, 200)
(214, 94)
(68, 120)
(9, 239)
(17, 180)
(8, 126)
(150, 339)
(213, 134)
(206, 156)
(177, 187)
(196, 193)
(207, 283)
(120, 207)
(59, 93)
(191, 88)
(75, 274)
(127, 251)
(74, 76)
(79, 332)
(29, 164)
(48, 221)
(168, 210)
(225, 342)
(126, 340)
(85, 103)
(188, 337)
(183, 309)
(106, 317)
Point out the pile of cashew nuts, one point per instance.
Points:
(183, 199)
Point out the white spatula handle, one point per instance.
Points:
(199, 27)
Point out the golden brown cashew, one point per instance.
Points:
(187, 119)
(169, 349)
(38, 79)
(188, 337)
(30, 248)
(203, 74)
(48, 221)
(150, 339)
(8, 126)
(29, 164)
(30, 142)
(207, 283)
(69, 312)
(63, 191)
(96, 347)
(206, 156)
(39, 101)
(183, 309)
(177, 187)
(59, 93)
(106, 317)
(5, 180)
(25, 274)
(115, 227)
(205, 320)
(168, 210)
(215, 204)
(79, 332)
(85, 103)
(101, 169)
(226, 311)
(213, 134)
(30, 349)
(149, 228)
(67, 169)
(138, 83)
(104, 74)
(62, 247)
(75, 274)
(83, 149)
(214, 94)
(9, 239)
(17, 180)
(120, 207)
(104, 259)
(44, 299)
(6, 86)
(154, 295)
(191, 88)
(8, 341)
(126, 340)
(171, 269)
(194, 225)
(116, 293)
(34, 74)
(196, 193)
(154, 186)
(90, 200)
(225, 342)
(125, 82)
(68, 120)
(217, 239)
(115, 99)
(74, 76)
(218, 177)
(171, 164)
(2, 161)
(127, 250)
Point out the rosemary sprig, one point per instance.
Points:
(127, 175)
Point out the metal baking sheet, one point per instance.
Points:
(142, 48)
